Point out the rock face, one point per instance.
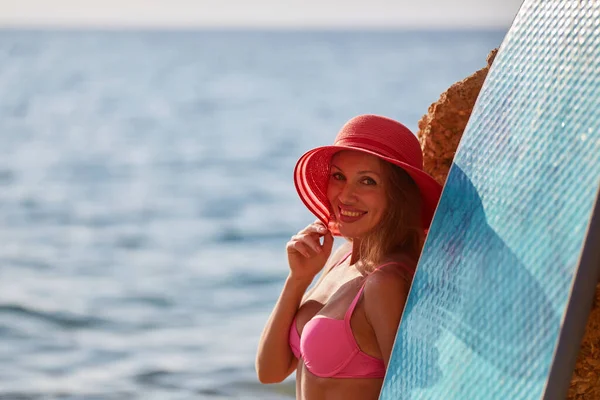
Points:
(442, 127)
(585, 383)
(439, 133)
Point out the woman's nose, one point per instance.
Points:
(347, 194)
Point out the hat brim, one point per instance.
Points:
(311, 177)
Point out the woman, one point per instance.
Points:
(369, 187)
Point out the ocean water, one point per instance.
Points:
(146, 193)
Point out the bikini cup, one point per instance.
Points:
(329, 349)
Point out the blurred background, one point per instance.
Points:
(146, 157)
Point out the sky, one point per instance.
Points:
(259, 13)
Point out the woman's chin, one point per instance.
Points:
(350, 232)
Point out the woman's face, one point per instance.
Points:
(356, 192)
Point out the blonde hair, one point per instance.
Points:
(401, 228)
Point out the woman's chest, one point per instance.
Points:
(330, 299)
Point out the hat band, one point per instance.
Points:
(380, 148)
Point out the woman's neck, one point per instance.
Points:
(355, 257)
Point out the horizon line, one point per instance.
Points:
(257, 28)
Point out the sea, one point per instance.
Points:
(146, 193)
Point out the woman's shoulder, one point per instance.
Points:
(396, 264)
(393, 274)
(386, 289)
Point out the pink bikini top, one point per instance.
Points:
(329, 349)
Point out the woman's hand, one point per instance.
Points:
(306, 255)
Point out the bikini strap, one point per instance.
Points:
(355, 301)
(342, 260)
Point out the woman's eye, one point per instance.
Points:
(337, 176)
(369, 181)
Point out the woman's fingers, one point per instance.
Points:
(320, 228)
(300, 247)
(315, 228)
(311, 241)
(307, 241)
(327, 242)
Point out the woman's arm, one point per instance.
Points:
(385, 295)
(306, 256)
(275, 360)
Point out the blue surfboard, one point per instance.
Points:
(500, 299)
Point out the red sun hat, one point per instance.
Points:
(371, 134)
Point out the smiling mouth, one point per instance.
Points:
(350, 216)
(347, 213)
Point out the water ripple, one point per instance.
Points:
(60, 319)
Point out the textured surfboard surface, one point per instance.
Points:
(504, 260)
